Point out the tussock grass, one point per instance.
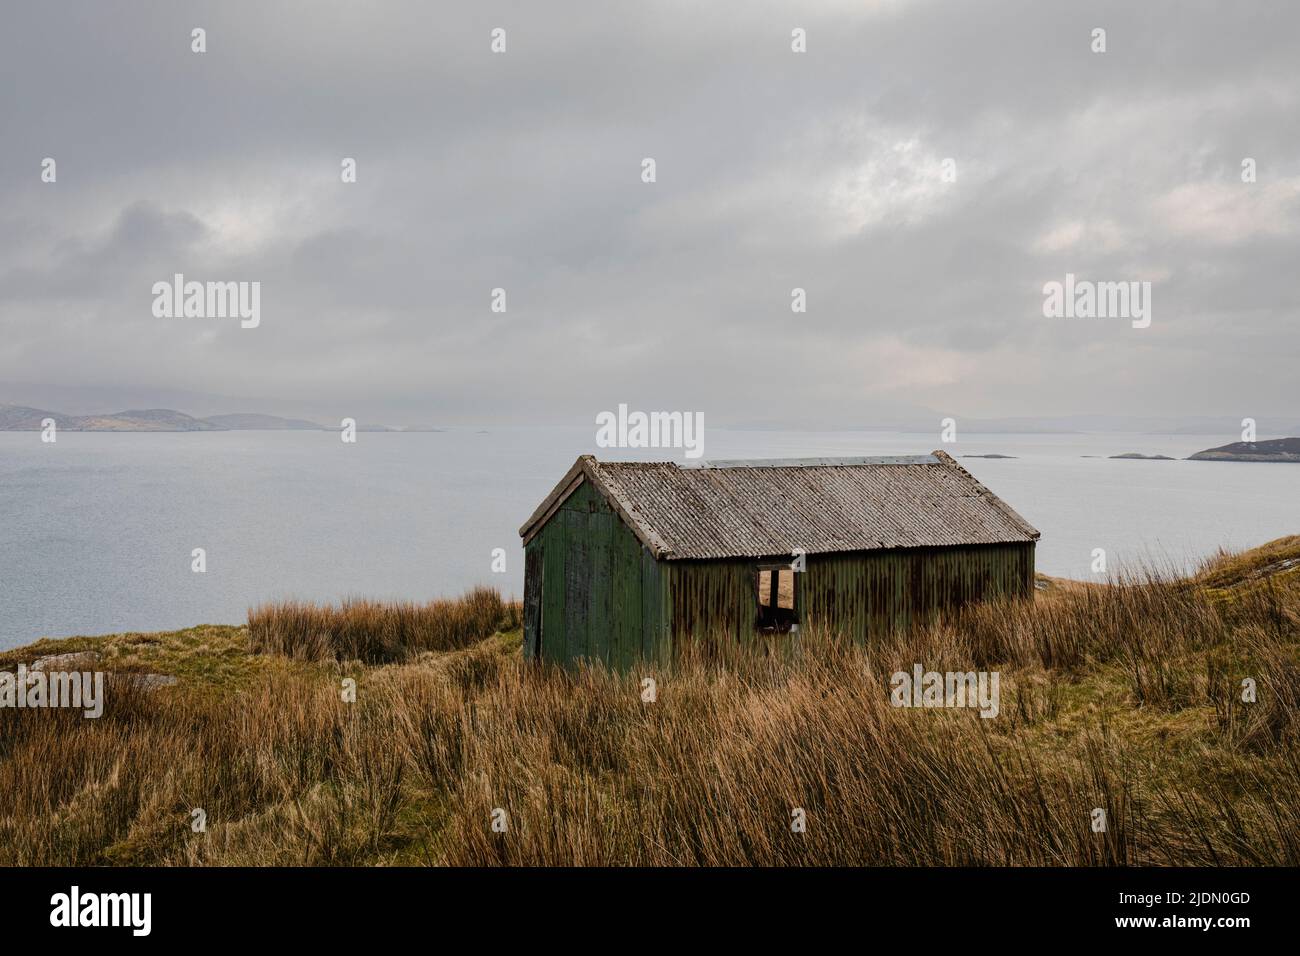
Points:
(1124, 697)
(1229, 569)
(376, 631)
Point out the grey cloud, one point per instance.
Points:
(775, 171)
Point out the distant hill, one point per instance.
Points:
(145, 420)
(22, 418)
(25, 418)
(1277, 449)
(253, 421)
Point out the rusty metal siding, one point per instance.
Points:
(712, 597)
(859, 595)
(656, 634)
(873, 593)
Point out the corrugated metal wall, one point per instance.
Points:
(873, 593)
(859, 593)
(592, 590)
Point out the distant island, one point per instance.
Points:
(1277, 449)
(1137, 456)
(253, 421)
(21, 418)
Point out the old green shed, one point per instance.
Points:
(625, 560)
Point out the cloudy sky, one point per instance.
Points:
(775, 170)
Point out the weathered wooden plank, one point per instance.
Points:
(600, 623)
(533, 572)
(629, 623)
(577, 583)
(554, 548)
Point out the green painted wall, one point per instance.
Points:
(603, 597)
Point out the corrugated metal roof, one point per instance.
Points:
(770, 508)
(807, 462)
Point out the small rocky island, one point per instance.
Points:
(1137, 456)
(1277, 449)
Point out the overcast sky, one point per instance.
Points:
(775, 170)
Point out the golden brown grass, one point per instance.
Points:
(784, 587)
(1278, 560)
(377, 631)
(1125, 698)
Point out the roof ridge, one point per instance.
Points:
(820, 461)
(824, 505)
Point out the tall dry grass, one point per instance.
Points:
(1124, 698)
(377, 631)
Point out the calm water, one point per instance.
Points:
(96, 530)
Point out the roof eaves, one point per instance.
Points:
(567, 485)
(993, 499)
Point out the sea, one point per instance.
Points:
(98, 530)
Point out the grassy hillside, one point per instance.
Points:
(1124, 697)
